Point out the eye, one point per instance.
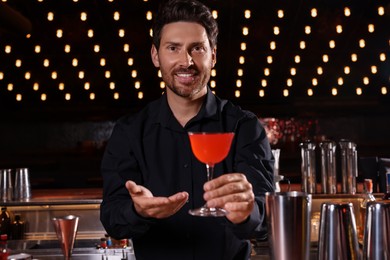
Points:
(199, 48)
(172, 48)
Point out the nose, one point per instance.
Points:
(186, 59)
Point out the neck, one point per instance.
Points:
(184, 109)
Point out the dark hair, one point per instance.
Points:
(185, 10)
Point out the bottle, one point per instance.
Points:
(5, 222)
(368, 196)
(386, 196)
(17, 228)
(4, 251)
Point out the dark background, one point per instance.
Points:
(62, 141)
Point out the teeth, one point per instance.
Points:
(184, 75)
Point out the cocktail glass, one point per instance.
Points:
(210, 149)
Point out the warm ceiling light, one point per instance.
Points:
(18, 63)
(347, 70)
(362, 43)
(121, 33)
(18, 97)
(243, 46)
(37, 48)
(90, 33)
(50, 16)
(43, 97)
(261, 93)
(340, 81)
(237, 93)
(59, 33)
(359, 91)
(149, 15)
(307, 29)
(320, 71)
(314, 81)
(117, 16)
(263, 83)
(247, 14)
(383, 90)
(75, 62)
(36, 86)
(325, 58)
(366, 81)
(240, 72)
(126, 47)
(54, 75)
(102, 62)
(87, 85)
(285, 92)
(347, 11)
(332, 44)
(245, 31)
(107, 74)
(134, 73)
(213, 72)
(267, 72)
(238, 83)
(382, 57)
(27, 75)
(381, 10)
(1, 75)
(92, 96)
(213, 84)
(130, 61)
(96, 48)
(7, 49)
(289, 82)
(313, 12)
(83, 16)
(339, 29)
(297, 59)
(371, 28)
(112, 85)
(68, 96)
(162, 84)
(302, 45)
(46, 63)
(310, 92)
(374, 69)
(10, 87)
(280, 13)
(116, 95)
(61, 86)
(269, 59)
(67, 48)
(272, 45)
(276, 30)
(215, 14)
(334, 91)
(354, 57)
(81, 74)
(140, 95)
(241, 60)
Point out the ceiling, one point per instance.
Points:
(278, 57)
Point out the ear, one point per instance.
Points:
(214, 57)
(154, 55)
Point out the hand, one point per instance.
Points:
(232, 192)
(149, 206)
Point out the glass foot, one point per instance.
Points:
(208, 212)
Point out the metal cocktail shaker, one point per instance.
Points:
(308, 167)
(288, 219)
(349, 166)
(328, 167)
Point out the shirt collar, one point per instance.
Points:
(209, 110)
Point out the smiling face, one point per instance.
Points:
(185, 59)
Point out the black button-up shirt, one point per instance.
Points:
(153, 149)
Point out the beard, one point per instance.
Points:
(186, 89)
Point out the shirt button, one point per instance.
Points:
(185, 165)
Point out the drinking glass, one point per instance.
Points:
(210, 149)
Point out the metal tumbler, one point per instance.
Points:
(6, 188)
(22, 187)
(376, 240)
(338, 235)
(288, 219)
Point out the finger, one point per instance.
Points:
(228, 189)
(231, 198)
(223, 180)
(132, 187)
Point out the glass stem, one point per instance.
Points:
(210, 171)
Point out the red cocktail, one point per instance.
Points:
(210, 148)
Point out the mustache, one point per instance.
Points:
(188, 70)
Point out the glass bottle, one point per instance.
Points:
(5, 222)
(17, 228)
(368, 196)
(386, 196)
(4, 251)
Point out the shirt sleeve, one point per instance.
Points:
(253, 157)
(119, 164)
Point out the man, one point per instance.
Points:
(151, 177)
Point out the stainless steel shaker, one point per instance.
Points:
(349, 166)
(308, 167)
(288, 220)
(6, 187)
(328, 167)
(22, 187)
(338, 235)
(376, 240)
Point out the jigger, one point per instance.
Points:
(376, 242)
(66, 230)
